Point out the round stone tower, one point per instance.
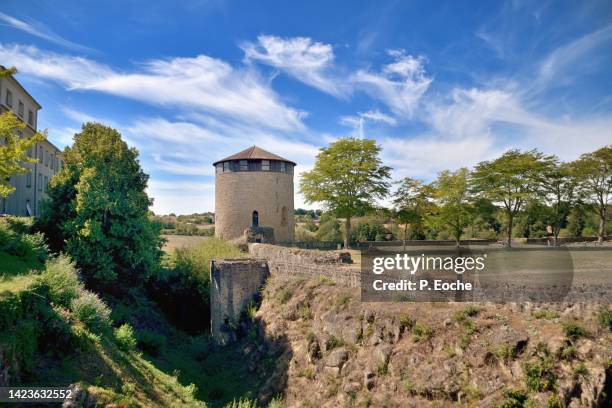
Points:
(254, 188)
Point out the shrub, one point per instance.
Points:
(150, 342)
(512, 399)
(580, 371)
(421, 331)
(32, 246)
(124, 337)
(89, 309)
(605, 318)
(284, 295)
(61, 277)
(539, 375)
(574, 331)
(334, 342)
(242, 403)
(546, 314)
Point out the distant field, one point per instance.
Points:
(181, 241)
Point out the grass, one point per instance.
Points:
(16, 273)
(421, 332)
(574, 331)
(182, 241)
(546, 314)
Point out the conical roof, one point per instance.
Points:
(254, 152)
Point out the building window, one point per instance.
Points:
(46, 183)
(284, 217)
(31, 118)
(28, 209)
(9, 98)
(255, 219)
(29, 180)
(39, 181)
(226, 166)
(265, 165)
(56, 164)
(20, 109)
(40, 154)
(244, 165)
(52, 162)
(282, 165)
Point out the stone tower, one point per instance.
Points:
(254, 188)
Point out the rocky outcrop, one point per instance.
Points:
(422, 354)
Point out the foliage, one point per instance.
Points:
(605, 318)
(574, 331)
(14, 150)
(16, 240)
(329, 229)
(90, 310)
(559, 183)
(513, 399)
(150, 341)
(61, 277)
(368, 230)
(98, 210)
(413, 201)
(284, 295)
(539, 374)
(347, 177)
(421, 332)
(455, 211)
(594, 180)
(124, 337)
(511, 180)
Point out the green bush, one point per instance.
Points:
(512, 399)
(150, 342)
(539, 375)
(605, 318)
(124, 337)
(421, 331)
(574, 331)
(61, 277)
(90, 310)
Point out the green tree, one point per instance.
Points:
(98, 209)
(452, 192)
(559, 183)
(511, 180)
(594, 175)
(13, 147)
(347, 177)
(413, 201)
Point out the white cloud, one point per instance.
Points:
(378, 116)
(400, 84)
(306, 60)
(202, 83)
(358, 121)
(39, 30)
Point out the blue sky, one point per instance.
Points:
(439, 85)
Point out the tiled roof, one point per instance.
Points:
(254, 152)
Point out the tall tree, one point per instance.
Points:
(13, 146)
(559, 184)
(14, 150)
(594, 174)
(454, 201)
(348, 176)
(98, 209)
(413, 201)
(511, 180)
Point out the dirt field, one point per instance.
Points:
(181, 241)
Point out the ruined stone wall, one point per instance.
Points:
(294, 262)
(238, 194)
(233, 283)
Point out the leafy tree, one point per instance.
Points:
(559, 184)
(454, 201)
(485, 216)
(594, 175)
(13, 148)
(413, 203)
(512, 180)
(347, 177)
(98, 209)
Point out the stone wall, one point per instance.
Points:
(294, 262)
(233, 284)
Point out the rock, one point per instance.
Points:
(314, 351)
(381, 355)
(507, 337)
(336, 358)
(369, 379)
(78, 397)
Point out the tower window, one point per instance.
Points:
(284, 217)
(255, 219)
(265, 165)
(244, 165)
